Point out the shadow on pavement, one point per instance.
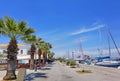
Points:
(45, 68)
(32, 76)
(36, 74)
(50, 65)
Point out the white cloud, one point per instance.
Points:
(82, 39)
(88, 30)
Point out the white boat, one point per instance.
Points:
(109, 63)
(119, 67)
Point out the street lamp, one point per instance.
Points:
(73, 55)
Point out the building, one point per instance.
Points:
(23, 53)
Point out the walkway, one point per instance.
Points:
(61, 72)
(54, 72)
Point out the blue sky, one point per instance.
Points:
(64, 23)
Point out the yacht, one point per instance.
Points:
(109, 63)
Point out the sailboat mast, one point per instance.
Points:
(114, 42)
(100, 48)
(81, 50)
(109, 45)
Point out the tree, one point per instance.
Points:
(1, 55)
(39, 44)
(50, 54)
(14, 30)
(31, 39)
(47, 47)
(43, 47)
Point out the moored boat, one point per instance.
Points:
(109, 63)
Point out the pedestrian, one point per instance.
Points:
(35, 68)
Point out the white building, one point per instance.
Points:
(23, 53)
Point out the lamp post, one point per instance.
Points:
(73, 55)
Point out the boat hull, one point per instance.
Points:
(107, 64)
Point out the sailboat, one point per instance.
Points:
(84, 58)
(110, 62)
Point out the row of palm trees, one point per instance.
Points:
(20, 30)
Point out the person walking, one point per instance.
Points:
(35, 67)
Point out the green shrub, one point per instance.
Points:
(61, 59)
(67, 62)
(72, 63)
(84, 71)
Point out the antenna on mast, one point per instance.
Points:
(81, 49)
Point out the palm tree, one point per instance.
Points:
(47, 47)
(39, 44)
(31, 39)
(14, 30)
(43, 47)
(50, 54)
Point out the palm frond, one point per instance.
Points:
(1, 23)
(10, 23)
(29, 39)
(28, 31)
(13, 29)
(21, 25)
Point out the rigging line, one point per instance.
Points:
(82, 50)
(109, 47)
(114, 42)
(101, 45)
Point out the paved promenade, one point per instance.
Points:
(54, 72)
(61, 72)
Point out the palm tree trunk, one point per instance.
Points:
(44, 58)
(32, 62)
(10, 75)
(39, 58)
(39, 54)
(32, 49)
(12, 58)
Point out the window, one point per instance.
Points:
(21, 52)
(28, 52)
(4, 51)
